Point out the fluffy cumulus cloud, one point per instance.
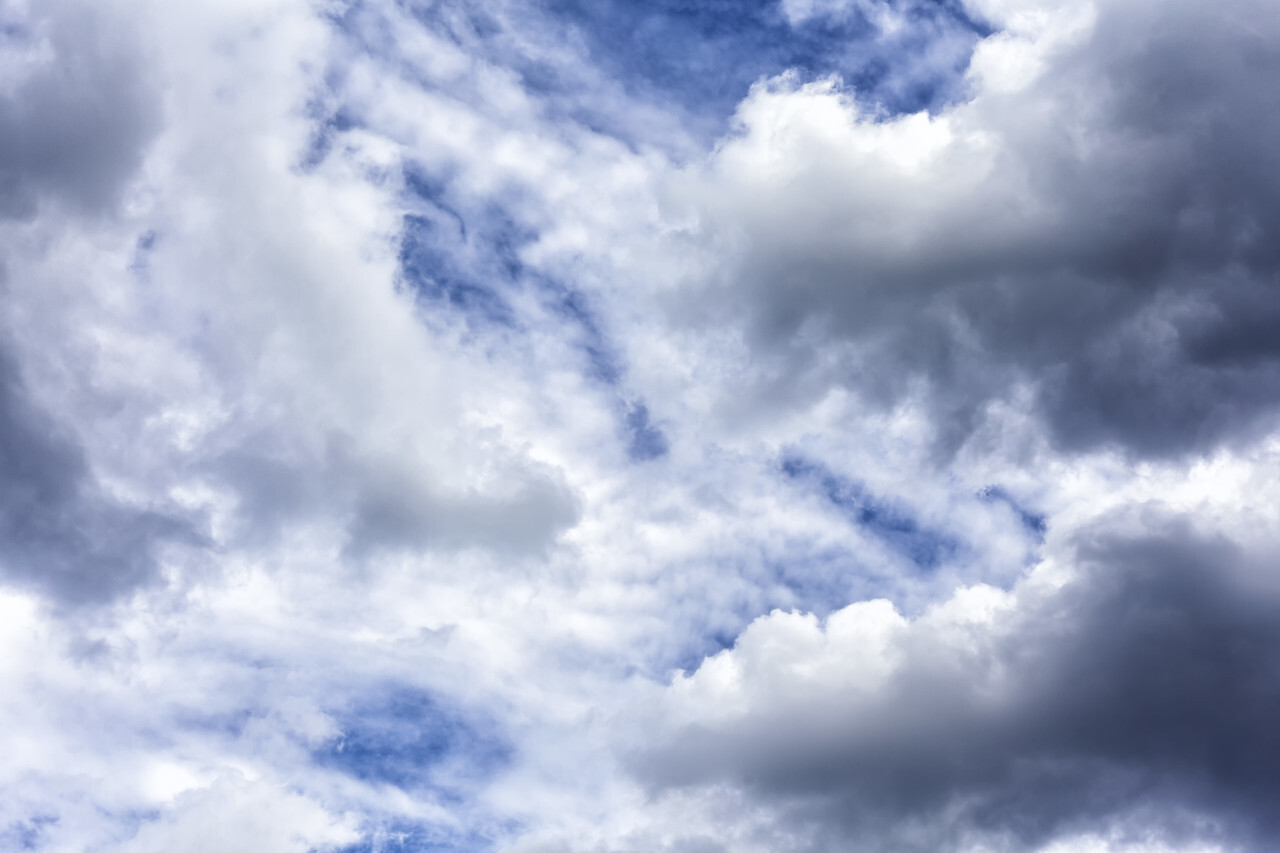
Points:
(1086, 225)
(1134, 696)
(552, 427)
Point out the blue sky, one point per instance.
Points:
(669, 427)
(703, 58)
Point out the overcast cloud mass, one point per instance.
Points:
(540, 426)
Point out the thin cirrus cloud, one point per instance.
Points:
(535, 427)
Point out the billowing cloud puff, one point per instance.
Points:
(1088, 225)
(1133, 692)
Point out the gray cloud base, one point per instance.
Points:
(59, 532)
(1141, 696)
(75, 127)
(1113, 252)
(73, 131)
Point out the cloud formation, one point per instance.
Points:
(1137, 694)
(536, 427)
(1086, 224)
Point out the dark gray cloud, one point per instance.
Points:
(75, 126)
(74, 123)
(60, 533)
(1115, 252)
(1141, 697)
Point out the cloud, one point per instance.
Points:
(1135, 694)
(76, 115)
(234, 815)
(395, 397)
(62, 532)
(1083, 225)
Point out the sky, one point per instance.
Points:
(549, 426)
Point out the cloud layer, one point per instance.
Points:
(539, 427)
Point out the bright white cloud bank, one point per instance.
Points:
(415, 436)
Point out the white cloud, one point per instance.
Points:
(233, 816)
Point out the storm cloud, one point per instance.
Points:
(1090, 224)
(1138, 696)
